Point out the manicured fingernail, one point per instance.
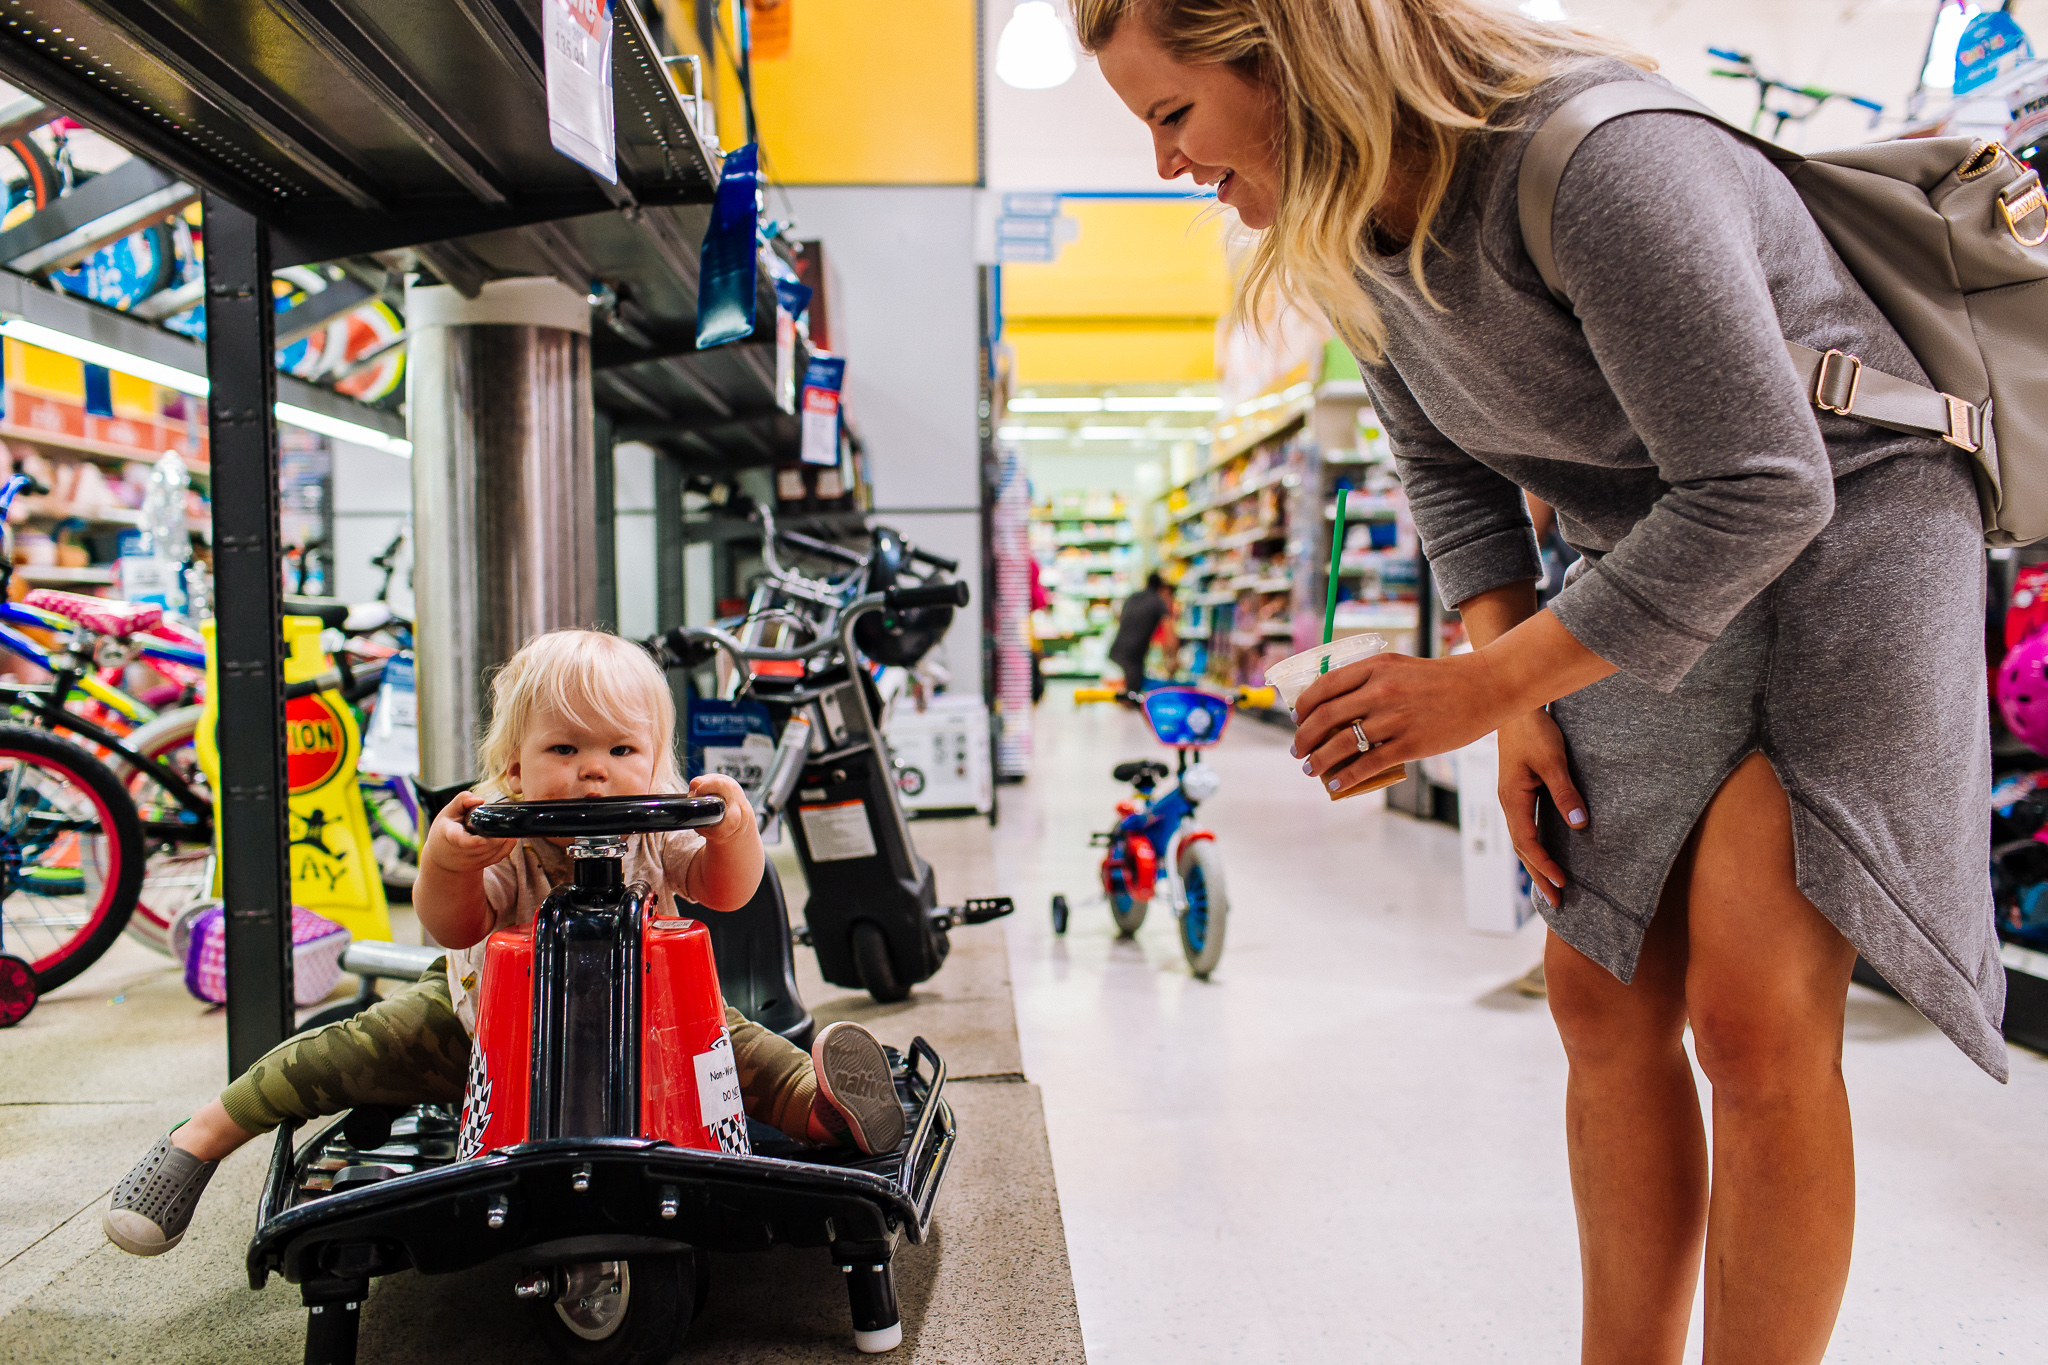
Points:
(1308, 765)
(1577, 819)
(1291, 716)
(1336, 783)
(1294, 750)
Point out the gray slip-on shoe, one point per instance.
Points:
(152, 1206)
(853, 1077)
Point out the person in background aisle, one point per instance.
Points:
(1773, 641)
(1145, 615)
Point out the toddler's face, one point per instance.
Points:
(568, 756)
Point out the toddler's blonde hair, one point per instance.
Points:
(589, 674)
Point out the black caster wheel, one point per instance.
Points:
(17, 990)
(1059, 914)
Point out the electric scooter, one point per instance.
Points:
(601, 1146)
(873, 914)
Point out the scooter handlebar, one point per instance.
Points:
(931, 595)
(939, 562)
(575, 819)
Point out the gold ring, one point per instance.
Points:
(1358, 732)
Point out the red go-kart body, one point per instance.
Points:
(689, 1091)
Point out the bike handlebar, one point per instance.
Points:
(354, 684)
(939, 562)
(930, 595)
(1244, 696)
(823, 549)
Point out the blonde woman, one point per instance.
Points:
(1748, 738)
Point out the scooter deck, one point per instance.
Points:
(581, 1199)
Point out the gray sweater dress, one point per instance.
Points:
(1766, 577)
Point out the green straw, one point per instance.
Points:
(1336, 562)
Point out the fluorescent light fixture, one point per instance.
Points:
(1035, 433)
(1056, 404)
(1035, 52)
(340, 430)
(1273, 400)
(1144, 433)
(1163, 404)
(184, 381)
(50, 339)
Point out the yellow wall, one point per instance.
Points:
(870, 94)
(1133, 299)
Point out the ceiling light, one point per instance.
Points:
(1057, 404)
(184, 381)
(1163, 404)
(1034, 52)
(1949, 23)
(1144, 433)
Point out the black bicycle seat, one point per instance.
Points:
(1137, 768)
(575, 819)
(331, 611)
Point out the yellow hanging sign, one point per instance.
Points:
(333, 870)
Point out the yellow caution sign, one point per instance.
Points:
(333, 870)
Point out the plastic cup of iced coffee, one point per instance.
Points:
(1292, 675)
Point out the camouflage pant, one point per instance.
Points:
(411, 1049)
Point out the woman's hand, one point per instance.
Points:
(452, 848)
(1409, 708)
(1532, 761)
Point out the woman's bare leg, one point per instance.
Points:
(1766, 982)
(1638, 1150)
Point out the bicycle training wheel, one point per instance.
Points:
(177, 868)
(70, 854)
(1201, 924)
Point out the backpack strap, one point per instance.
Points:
(1835, 381)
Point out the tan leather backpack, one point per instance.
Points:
(1949, 236)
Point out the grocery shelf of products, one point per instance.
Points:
(1089, 560)
(1247, 536)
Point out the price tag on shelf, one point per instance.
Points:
(576, 36)
(821, 410)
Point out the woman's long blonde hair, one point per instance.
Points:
(587, 673)
(1357, 82)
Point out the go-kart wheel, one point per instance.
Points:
(621, 1312)
(17, 990)
(1059, 914)
(1208, 907)
(871, 960)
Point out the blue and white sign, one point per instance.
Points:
(1992, 45)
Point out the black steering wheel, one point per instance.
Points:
(575, 819)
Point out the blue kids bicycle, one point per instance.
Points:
(1154, 848)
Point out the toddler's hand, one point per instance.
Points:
(739, 812)
(453, 848)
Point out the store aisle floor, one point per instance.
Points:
(1349, 1145)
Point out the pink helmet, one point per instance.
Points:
(2023, 691)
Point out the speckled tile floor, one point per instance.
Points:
(1348, 1145)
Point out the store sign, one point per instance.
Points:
(821, 409)
(1992, 45)
(576, 36)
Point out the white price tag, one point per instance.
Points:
(576, 36)
(838, 831)
(745, 763)
(719, 1103)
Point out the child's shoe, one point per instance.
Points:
(152, 1206)
(853, 1078)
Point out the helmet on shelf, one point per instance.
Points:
(2023, 691)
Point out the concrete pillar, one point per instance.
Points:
(504, 503)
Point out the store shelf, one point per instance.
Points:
(1368, 507)
(50, 576)
(1212, 599)
(1377, 616)
(99, 517)
(1233, 438)
(1251, 583)
(1243, 491)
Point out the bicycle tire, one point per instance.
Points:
(175, 873)
(112, 811)
(1203, 919)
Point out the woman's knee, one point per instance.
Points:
(1603, 1022)
(1762, 1039)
